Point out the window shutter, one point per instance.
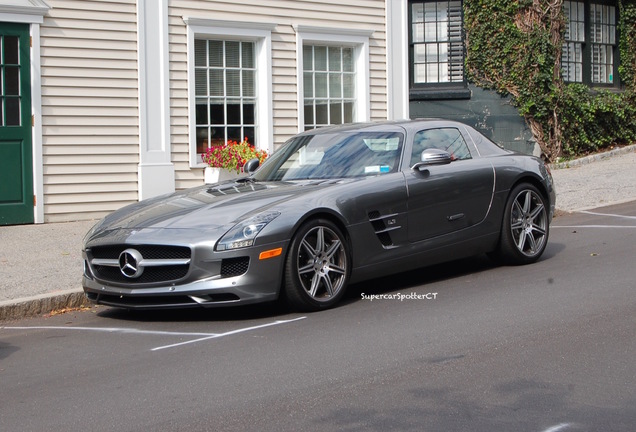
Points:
(456, 46)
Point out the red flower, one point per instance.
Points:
(233, 155)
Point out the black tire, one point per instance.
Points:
(525, 227)
(317, 267)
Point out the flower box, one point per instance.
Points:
(225, 162)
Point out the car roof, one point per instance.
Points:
(390, 125)
(485, 145)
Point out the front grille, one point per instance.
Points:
(110, 272)
(234, 266)
(150, 274)
(147, 251)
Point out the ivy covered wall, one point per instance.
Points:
(514, 48)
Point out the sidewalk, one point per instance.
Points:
(41, 268)
(41, 265)
(596, 181)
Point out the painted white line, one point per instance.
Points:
(243, 330)
(592, 226)
(111, 330)
(203, 336)
(558, 427)
(608, 214)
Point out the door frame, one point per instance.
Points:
(32, 12)
(16, 133)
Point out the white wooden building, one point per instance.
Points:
(114, 100)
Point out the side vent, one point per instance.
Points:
(383, 225)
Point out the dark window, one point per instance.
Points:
(436, 47)
(10, 81)
(590, 48)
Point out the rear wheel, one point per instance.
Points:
(525, 228)
(318, 266)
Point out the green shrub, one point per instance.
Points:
(593, 121)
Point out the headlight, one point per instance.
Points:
(243, 233)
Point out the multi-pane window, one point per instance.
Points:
(572, 55)
(225, 91)
(437, 50)
(590, 43)
(9, 81)
(603, 39)
(329, 78)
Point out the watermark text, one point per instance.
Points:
(399, 296)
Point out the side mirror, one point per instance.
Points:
(433, 156)
(251, 165)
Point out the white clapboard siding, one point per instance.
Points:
(89, 77)
(90, 126)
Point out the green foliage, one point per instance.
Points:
(514, 47)
(627, 42)
(593, 121)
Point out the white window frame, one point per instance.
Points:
(356, 39)
(261, 35)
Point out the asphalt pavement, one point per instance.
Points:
(41, 265)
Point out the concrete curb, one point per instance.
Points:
(41, 304)
(594, 158)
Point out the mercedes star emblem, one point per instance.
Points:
(130, 263)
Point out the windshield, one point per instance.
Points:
(337, 155)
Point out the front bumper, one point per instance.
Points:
(205, 284)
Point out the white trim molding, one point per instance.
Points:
(24, 11)
(355, 38)
(397, 60)
(36, 137)
(261, 35)
(155, 171)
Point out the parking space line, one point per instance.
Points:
(232, 332)
(110, 330)
(558, 428)
(608, 214)
(593, 226)
(200, 336)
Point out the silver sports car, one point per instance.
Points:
(332, 206)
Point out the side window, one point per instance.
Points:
(448, 139)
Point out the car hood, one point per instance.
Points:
(207, 207)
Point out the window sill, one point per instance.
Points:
(416, 94)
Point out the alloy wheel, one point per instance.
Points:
(322, 263)
(528, 223)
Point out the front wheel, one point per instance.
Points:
(525, 228)
(318, 266)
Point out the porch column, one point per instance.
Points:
(156, 171)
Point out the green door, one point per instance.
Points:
(16, 160)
